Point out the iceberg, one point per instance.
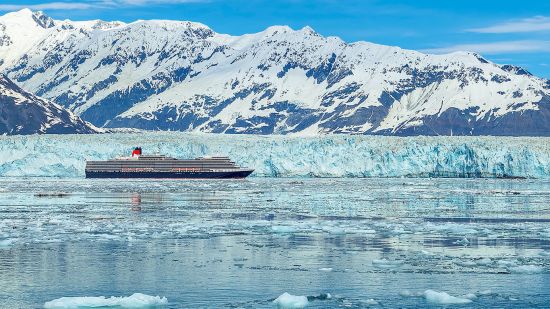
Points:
(4, 243)
(290, 156)
(288, 301)
(386, 264)
(136, 300)
(526, 269)
(442, 298)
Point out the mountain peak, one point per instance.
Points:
(43, 20)
(27, 15)
(22, 12)
(308, 29)
(278, 29)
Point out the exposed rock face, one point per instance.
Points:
(171, 75)
(25, 113)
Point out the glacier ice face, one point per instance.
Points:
(290, 156)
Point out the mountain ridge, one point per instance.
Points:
(24, 113)
(179, 75)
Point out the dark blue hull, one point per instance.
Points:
(171, 175)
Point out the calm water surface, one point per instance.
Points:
(240, 244)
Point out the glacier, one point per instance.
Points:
(290, 156)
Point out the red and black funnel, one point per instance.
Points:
(136, 152)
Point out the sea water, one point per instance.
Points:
(275, 242)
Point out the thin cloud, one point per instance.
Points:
(533, 24)
(495, 48)
(48, 6)
(85, 5)
(145, 2)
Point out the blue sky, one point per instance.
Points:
(516, 32)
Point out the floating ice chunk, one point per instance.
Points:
(545, 233)
(136, 300)
(526, 269)
(386, 264)
(407, 293)
(427, 253)
(506, 263)
(327, 269)
(283, 229)
(371, 301)
(334, 230)
(443, 298)
(465, 263)
(484, 262)
(288, 301)
(470, 296)
(464, 241)
(453, 229)
(107, 237)
(485, 292)
(6, 242)
(322, 296)
(400, 231)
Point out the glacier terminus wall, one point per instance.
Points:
(290, 156)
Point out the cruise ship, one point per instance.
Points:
(161, 166)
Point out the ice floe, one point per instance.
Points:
(464, 242)
(136, 300)
(386, 264)
(407, 293)
(470, 296)
(526, 269)
(7, 242)
(289, 301)
(506, 263)
(283, 229)
(439, 298)
(371, 302)
(442, 298)
(465, 263)
(484, 262)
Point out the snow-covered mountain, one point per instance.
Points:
(173, 75)
(25, 113)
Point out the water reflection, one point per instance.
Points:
(231, 244)
(136, 202)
